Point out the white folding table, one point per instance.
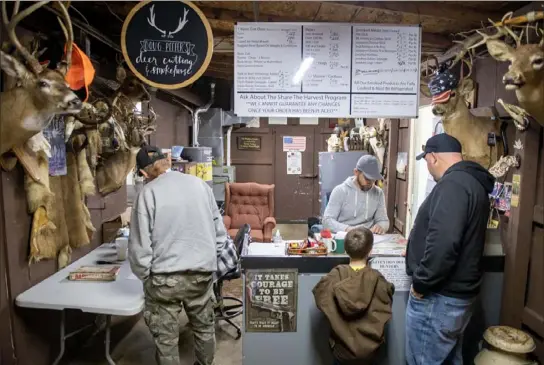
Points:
(122, 297)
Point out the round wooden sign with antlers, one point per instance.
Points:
(167, 44)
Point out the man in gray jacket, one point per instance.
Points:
(358, 202)
(175, 226)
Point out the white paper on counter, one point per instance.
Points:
(378, 238)
(266, 249)
(131, 276)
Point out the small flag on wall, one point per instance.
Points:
(294, 143)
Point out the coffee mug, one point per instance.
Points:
(330, 243)
(339, 238)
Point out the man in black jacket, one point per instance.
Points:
(444, 254)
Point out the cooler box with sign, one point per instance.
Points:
(200, 163)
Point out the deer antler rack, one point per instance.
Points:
(503, 27)
(30, 59)
(10, 25)
(68, 31)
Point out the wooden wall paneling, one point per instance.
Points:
(401, 189)
(538, 214)
(7, 350)
(254, 166)
(173, 123)
(533, 313)
(520, 228)
(391, 181)
(485, 71)
(321, 133)
(28, 332)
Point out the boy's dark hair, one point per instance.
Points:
(358, 243)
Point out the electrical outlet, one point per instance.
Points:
(491, 139)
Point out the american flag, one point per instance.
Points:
(294, 143)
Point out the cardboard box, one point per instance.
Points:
(110, 228)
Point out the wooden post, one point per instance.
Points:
(392, 171)
(520, 228)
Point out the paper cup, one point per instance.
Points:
(122, 248)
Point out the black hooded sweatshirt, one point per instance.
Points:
(446, 244)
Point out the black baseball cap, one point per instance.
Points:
(440, 143)
(148, 155)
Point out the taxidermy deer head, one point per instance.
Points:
(525, 75)
(131, 86)
(471, 131)
(40, 92)
(456, 99)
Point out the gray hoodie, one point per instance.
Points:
(175, 227)
(349, 206)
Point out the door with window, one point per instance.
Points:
(420, 181)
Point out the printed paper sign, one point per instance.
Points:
(294, 163)
(394, 270)
(271, 300)
(54, 133)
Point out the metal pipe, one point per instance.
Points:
(199, 111)
(229, 132)
(188, 108)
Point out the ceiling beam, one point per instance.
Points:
(421, 8)
(222, 16)
(435, 19)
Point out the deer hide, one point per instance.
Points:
(86, 184)
(43, 237)
(38, 193)
(113, 172)
(65, 256)
(80, 229)
(58, 215)
(40, 201)
(86, 179)
(93, 148)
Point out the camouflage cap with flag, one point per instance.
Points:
(442, 85)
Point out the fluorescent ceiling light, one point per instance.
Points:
(304, 67)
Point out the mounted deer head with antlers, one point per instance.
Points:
(120, 133)
(448, 95)
(525, 75)
(40, 92)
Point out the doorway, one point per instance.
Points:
(420, 181)
(295, 189)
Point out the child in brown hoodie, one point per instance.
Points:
(356, 300)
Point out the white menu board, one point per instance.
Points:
(326, 70)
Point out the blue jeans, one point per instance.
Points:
(434, 329)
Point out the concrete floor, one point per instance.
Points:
(137, 348)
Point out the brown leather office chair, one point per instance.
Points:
(253, 204)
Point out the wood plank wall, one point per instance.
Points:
(523, 234)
